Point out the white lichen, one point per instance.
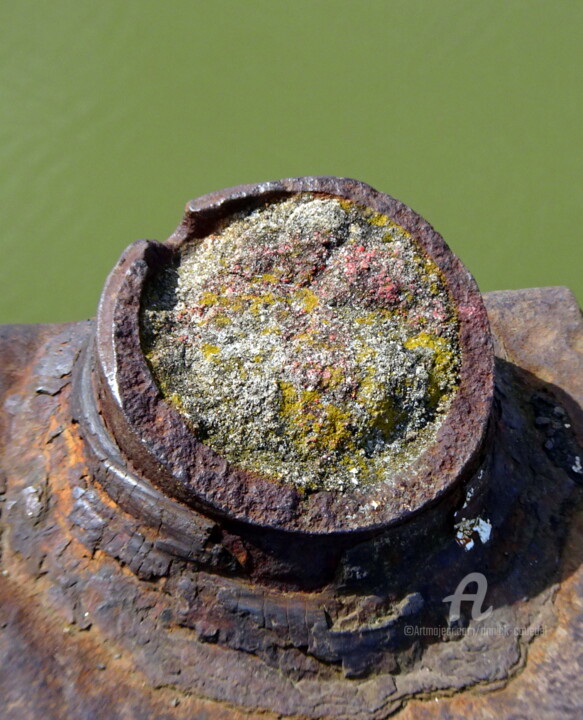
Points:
(310, 340)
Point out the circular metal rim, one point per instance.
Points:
(158, 443)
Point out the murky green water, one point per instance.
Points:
(114, 114)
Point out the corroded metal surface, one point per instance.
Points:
(146, 427)
(92, 596)
(309, 340)
(541, 332)
(120, 601)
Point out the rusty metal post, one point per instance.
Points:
(257, 483)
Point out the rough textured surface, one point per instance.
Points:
(160, 440)
(155, 605)
(310, 339)
(541, 331)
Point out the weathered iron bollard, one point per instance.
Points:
(267, 480)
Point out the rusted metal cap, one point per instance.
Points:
(285, 336)
(353, 232)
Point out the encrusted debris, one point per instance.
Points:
(310, 339)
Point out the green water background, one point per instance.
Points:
(114, 114)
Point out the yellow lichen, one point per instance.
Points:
(307, 298)
(369, 318)
(336, 377)
(221, 320)
(378, 219)
(335, 429)
(323, 425)
(209, 351)
(272, 277)
(304, 338)
(208, 299)
(365, 354)
(443, 362)
(258, 301)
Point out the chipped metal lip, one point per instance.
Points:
(157, 442)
